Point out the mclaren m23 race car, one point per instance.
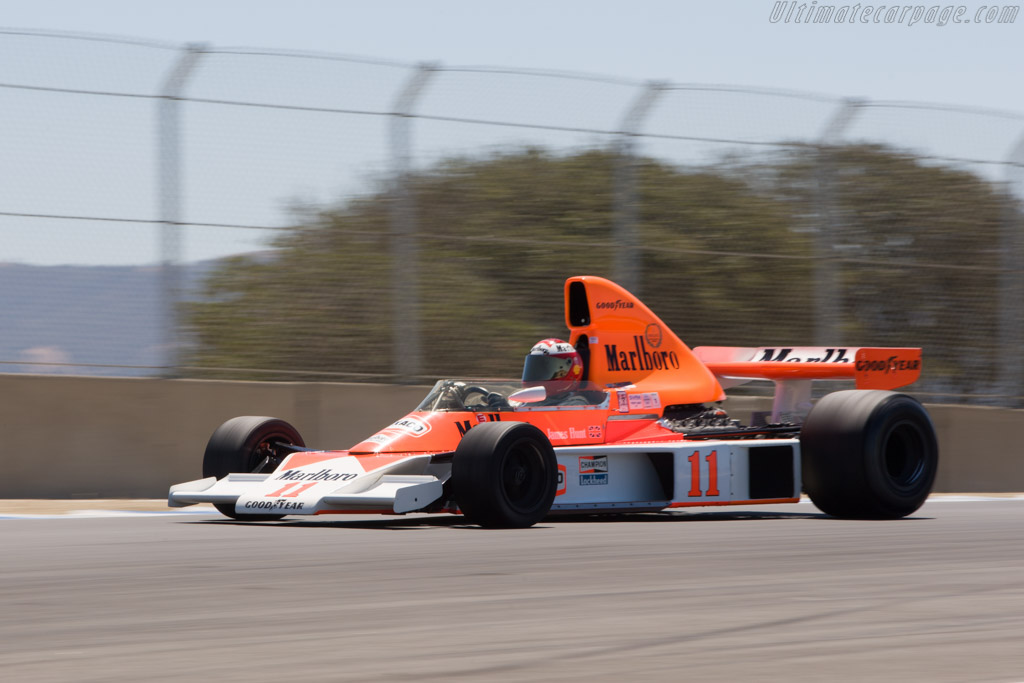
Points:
(641, 431)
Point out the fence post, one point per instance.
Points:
(626, 265)
(169, 183)
(1011, 286)
(827, 289)
(405, 309)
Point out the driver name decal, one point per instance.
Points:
(574, 433)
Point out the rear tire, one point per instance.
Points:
(868, 454)
(248, 444)
(504, 475)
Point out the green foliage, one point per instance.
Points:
(727, 254)
(917, 247)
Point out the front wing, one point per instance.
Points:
(338, 484)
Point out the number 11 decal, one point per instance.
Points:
(280, 493)
(712, 461)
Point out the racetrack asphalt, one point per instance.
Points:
(767, 593)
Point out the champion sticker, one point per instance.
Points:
(590, 464)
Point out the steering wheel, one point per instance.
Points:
(491, 398)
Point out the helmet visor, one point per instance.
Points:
(545, 368)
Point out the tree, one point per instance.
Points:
(497, 236)
(728, 258)
(917, 247)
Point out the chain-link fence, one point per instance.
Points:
(223, 212)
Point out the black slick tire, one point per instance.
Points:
(504, 475)
(868, 454)
(247, 444)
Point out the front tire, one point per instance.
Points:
(248, 444)
(504, 475)
(868, 454)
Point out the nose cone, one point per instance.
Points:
(416, 432)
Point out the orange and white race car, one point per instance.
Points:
(638, 430)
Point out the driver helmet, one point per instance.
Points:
(553, 359)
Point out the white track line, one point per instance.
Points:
(111, 514)
(95, 514)
(958, 498)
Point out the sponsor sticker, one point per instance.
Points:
(887, 368)
(270, 506)
(805, 355)
(653, 335)
(562, 480)
(589, 464)
(650, 400)
(410, 424)
(892, 364)
(298, 490)
(616, 305)
(593, 479)
(639, 357)
(623, 400)
(324, 474)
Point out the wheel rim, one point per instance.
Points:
(523, 479)
(904, 457)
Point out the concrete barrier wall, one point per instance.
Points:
(65, 437)
(123, 437)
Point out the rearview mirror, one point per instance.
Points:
(529, 395)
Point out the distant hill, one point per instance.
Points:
(99, 315)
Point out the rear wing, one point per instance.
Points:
(793, 369)
(870, 368)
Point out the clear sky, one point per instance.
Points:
(711, 41)
(65, 166)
